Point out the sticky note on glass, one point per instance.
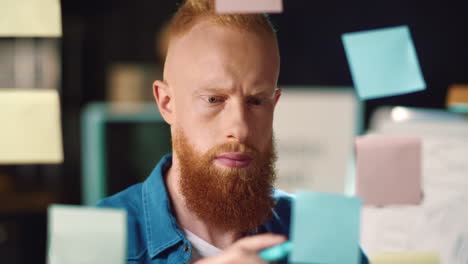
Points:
(457, 94)
(31, 130)
(30, 18)
(405, 258)
(383, 62)
(86, 235)
(248, 6)
(325, 228)
(388, 169)
(457, 98)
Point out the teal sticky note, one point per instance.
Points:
(383, 62)
(325, 229)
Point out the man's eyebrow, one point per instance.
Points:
(212, 90)
(257, 92)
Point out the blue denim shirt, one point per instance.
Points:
(153, 234)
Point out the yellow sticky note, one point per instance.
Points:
(406, 258)
(30, 130)
(30, 18)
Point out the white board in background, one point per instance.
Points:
(87, 235)
(439, 223)
(401, 120)
(314, 130)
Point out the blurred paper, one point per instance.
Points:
(325, 229)
(383, 62)
(249, 6)
(406, 258)
(439, 223)
(30, 127)
(87, 235)
(389, 169)
(30, 18)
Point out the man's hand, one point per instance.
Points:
(245, 250)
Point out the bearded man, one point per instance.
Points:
(212, 200)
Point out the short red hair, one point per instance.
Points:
(192, 11)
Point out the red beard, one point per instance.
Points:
(231, 199)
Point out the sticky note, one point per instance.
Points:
(325, 228)
(311, 158)
(457, 95)
(406, 258)
(30, 18)
(383, 62)
(388, 169)
(86, 235)
(249, 6)
(30, 127)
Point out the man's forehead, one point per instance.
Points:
(211, 54)
(201, 31)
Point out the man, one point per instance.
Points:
(212, 200)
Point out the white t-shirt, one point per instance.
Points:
(200, 248)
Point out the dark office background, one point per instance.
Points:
(97, 34)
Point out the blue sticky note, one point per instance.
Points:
(325, 229)
(383, 62)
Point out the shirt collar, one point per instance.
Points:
(160, 224)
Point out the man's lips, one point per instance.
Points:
(234, 159)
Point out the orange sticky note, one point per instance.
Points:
(388, 169)
(457, 94)
(248, 6)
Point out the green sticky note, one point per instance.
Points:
(325, 229)
(86, 235)
(383, 62)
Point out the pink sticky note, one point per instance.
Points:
(249, 6)
(388, 169)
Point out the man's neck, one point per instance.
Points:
(187, 220)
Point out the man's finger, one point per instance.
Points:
(260, 242)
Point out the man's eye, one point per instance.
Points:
(214, 99)
(255, 101)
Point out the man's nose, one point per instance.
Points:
(237, 122)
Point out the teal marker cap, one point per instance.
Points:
(277, 252)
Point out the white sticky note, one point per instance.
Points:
(248, 6)
(30, 18)
(312, 158)
(30, 127)
(87, 235)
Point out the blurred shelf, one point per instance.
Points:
(28, 202)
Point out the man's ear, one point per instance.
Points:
(277, 95)
(163, 97)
